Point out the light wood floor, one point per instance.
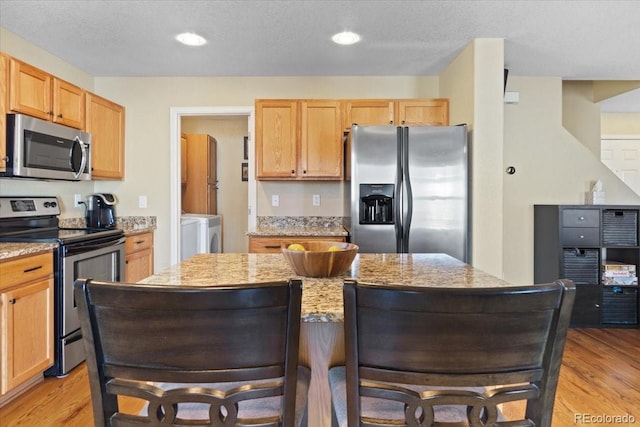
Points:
(600, 377)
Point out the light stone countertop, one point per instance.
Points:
(282, 226)
(275, 231)
(11, 250)
(322, 298)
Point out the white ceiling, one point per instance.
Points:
(571, 39)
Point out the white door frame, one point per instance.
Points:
(175, 116)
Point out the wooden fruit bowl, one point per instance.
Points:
(317, 261)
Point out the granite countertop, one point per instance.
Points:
(298, 231)
(299, 226)
(322, 298)
(11, 250)
(130, 225)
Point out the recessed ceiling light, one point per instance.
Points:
(346, 38)
(191, 39)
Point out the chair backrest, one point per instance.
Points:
(137, 335)
(456, 337)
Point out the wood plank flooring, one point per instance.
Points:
(599, 381)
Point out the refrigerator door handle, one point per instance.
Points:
(407, 205)
(397, 211)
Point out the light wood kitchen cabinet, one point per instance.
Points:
(138, 256)
(321, 144)
(276, 139)
(299, 139)
(36, 93)
(200, 194)
(396, 112)
(105, 123)
(433, 112)
(271, 244)
(26, 320)
(366, 112)
(183, 158)
(4, 86)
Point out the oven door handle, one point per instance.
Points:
(84, 247)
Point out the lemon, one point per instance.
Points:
(334, 249)
(296, 247)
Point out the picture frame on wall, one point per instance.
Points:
(246, 148)
(245, 171)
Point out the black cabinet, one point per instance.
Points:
(573, 242)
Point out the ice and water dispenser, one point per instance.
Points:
(376, 203)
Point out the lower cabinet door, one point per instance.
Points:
(27, 332)
(587, 306)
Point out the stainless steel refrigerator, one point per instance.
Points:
(410, 189)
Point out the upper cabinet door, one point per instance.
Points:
(321, 147)
(423, 112)
(39, 94)
(105, 123)
(30, 91)
(368, 112)
(276, 138)
(68, 104)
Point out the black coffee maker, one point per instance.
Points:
(101, 211)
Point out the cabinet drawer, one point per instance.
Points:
(580, 236)
(23, 270)
(580, 218)
(138, 242)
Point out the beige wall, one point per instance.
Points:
(580, 114)
(552, 167)
(473, 82)
(229, 133)
(620, 123)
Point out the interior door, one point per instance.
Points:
(212, 177)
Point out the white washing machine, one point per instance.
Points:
(189, 228)
(209, 232)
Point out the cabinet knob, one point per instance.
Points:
(597, 305)
(293, 171)
(60, 115)
(581, 218)
(390, 122)
(304, 171)
(12, 301)
(581, 236)
(49, 113)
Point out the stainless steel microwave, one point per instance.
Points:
(40, 149)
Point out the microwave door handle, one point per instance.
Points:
(83, 162)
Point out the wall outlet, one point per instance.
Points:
(316, 200)
(77, 198)
(275, 200)
(142, 202)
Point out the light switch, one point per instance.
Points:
(142, 202)
(316, 200)
(275, 200)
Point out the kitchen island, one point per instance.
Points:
(322, 337)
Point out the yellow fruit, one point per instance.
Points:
(334, 249)
(296, 247)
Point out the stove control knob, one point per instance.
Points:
(53, 204)
(47, 204)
